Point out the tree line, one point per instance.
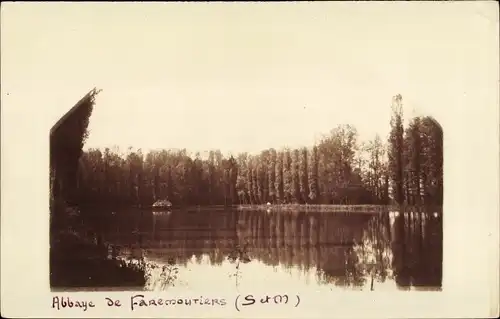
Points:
(339, 169)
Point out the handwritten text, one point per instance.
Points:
(250, 300)
(66, 302)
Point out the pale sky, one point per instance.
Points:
(241, 76)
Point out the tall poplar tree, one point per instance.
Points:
(395, 153)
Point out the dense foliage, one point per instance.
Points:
(67, 138)
(338, 170)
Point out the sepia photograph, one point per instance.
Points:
(293, 147)
(342, 213)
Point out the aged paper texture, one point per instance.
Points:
(250, 160)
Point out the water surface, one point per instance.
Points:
(233, 250)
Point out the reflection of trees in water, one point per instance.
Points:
(180, 234)
(157, 277)
(418, 251)
(238, 256)
(344, 250)
(335, 258)
(239, 252)
(406, 248)
(308, 241)
(371, 258)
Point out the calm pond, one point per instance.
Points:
(202, 249)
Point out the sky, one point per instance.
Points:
(240, 76)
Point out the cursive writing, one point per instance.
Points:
(140, 301)
(249, 300)
(111, 302)
(66, 302)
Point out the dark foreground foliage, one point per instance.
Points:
(76, 259)
(76, 262)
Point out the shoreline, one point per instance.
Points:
(313, 208)
(331, 208)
